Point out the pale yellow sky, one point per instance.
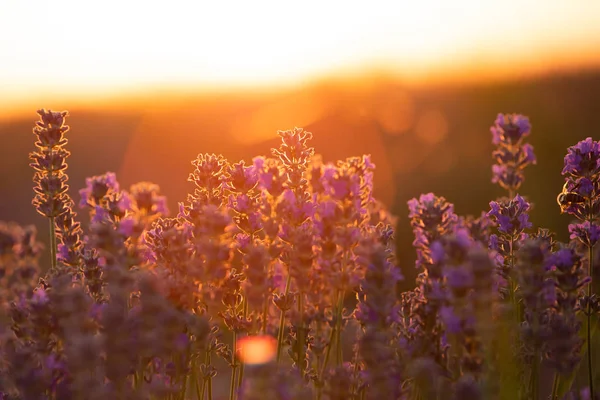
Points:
(101, 47)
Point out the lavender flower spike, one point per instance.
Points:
(511, 154)
(580, 197)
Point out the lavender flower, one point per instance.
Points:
(49, 163)
(580, 195)
(148, 200)
(469, 283)
(511, 155)
(564, 344)
(431, 218)
(208, 176)
(293, 247)
(537, 293)
(512, 221)
(581, 198)
(376, 312)
(96, 188)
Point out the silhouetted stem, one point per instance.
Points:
(301, 352)
(241, 374)
(209, 384)
(282, 319)
(53, 245)
(264, 319)
(195, 379)
(533, 380)
(589, 322)
(332, 336)
(554, 395)
(233, 368)
(338, 322)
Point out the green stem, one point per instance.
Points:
(513, 288)
(554, 395)
(332, 336)
(317, 382)
(533, 379)
(195, 379)
(589, 322)
(136, 380)
(264, 319)
(282, 319)
(207, 363)
(233, 368)
(53, 245)
(339, 356)
(184, 388)
(241, 375)
(355, 371)
(209, 384)
(301, 340)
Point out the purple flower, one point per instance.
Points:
(452, 322)
(459, 279)
(96, 187)
(511, 155)
(63, 252)
(511, 216)
(39, 296)
(510, 128)
(583, 159)
(564, 344)
(127, 226)
(529, 155)
(243, 178)
(588, 233)
(146, 197)
(100, 215)
(431, 217)
(271, 175)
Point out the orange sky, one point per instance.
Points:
(78, 49)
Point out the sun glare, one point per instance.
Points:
(256, 350)
(87, 47)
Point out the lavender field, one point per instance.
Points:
(279, 279)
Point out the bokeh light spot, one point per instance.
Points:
(255, 350)
(431, 127)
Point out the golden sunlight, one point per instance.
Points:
(69, 46)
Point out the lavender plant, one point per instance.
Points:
(580, 197)
(277, 279)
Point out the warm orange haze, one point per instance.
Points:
(75, 51)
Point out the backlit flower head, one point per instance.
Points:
(511, 216)
(511, 154)
(583, 159)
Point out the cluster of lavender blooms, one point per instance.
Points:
(278, 279)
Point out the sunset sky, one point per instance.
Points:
(81, 47)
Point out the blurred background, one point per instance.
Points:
(417, 84)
